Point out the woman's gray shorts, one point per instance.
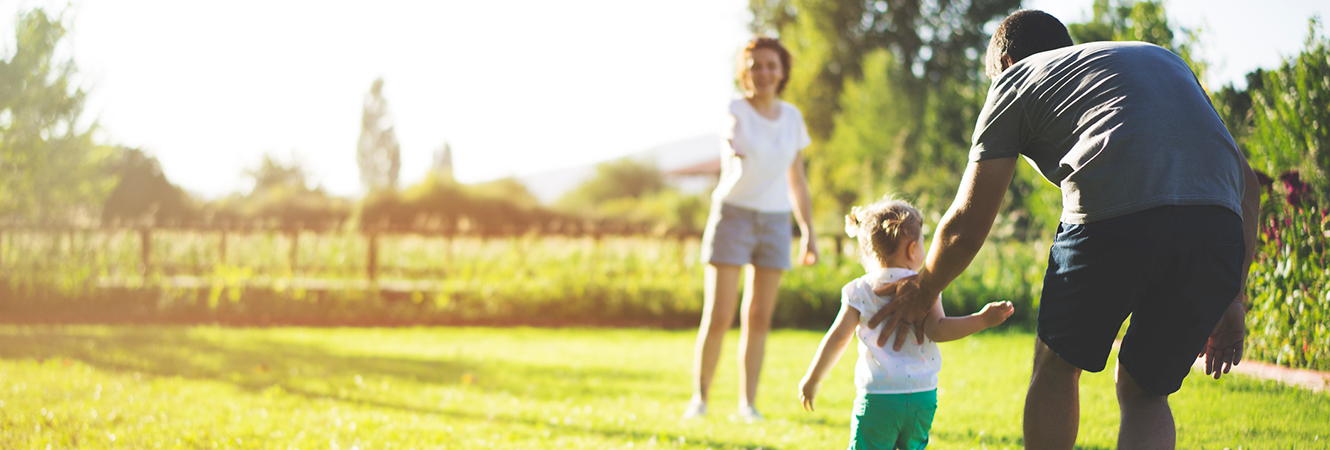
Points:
(739, 236)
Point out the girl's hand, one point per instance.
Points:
(807, 391)
(808, 250)
(996, 313)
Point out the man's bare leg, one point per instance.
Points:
(1053, 405)
(1147, 421)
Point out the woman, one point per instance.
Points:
(762, 180)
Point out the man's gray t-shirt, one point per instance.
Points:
(1120, 127)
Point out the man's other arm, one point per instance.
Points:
(1224, 349)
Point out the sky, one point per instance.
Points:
(515, 87)
(1237, 36)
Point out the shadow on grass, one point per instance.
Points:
(1018, 441)
(314, 373)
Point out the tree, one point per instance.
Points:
(50, 168)
(622, 178)
(1145, 21)
(443, 162)
(144, 194)
(378, 152)
(273, 175)
(866, 154)
(628, 192)
(281, 195)
(938, 43)
(912, 72)
(1290, 117)
(891, 90)
(503, 204)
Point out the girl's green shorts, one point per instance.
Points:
(892, 421)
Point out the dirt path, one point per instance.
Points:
(1306, 379)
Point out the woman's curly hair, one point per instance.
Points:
(773, 44)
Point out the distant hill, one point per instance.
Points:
(549, 186)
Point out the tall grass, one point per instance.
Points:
(431, 279)
(95, 277)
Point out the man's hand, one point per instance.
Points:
(808, 391)
(807, 250)
(909, 305)
(1224, 350)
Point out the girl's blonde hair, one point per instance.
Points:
(883, 226)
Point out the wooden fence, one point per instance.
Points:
(372, 238)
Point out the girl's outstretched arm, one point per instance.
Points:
(828, 353)
(941, 328)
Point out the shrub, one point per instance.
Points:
(1288, 291)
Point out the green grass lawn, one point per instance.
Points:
(206, 387)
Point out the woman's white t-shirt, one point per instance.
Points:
(882, 370)
(756, 154)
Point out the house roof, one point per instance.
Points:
(709, 167)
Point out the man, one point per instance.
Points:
(1159, 221)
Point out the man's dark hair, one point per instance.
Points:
(1022, 34)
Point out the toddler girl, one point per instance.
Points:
(896, 390)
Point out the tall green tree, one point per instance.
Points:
(891, 91)
(618, 179)
(867, 153)
(1145, 21)
(863, 70)
(378, 153)
(281, 195)
(938, 43)
(1290, 116)
(628, 191)
(272, 175)
(143, 194)
(50, 168)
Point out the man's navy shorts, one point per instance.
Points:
(1174, 269)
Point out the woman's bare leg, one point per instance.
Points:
(721, 292)
(755, 323)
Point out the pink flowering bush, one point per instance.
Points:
(1288, 292)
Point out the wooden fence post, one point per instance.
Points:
(295, 244)
(373, 260)
(447, 251)
(680, 240)
(145, 237)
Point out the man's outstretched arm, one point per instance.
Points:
(1224, 349)
(958, 238)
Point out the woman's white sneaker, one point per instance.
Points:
(696, 409)
(749, 414)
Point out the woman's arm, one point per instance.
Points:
(833, 346)
(941, 328)
(803, 210)
(731, 136)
